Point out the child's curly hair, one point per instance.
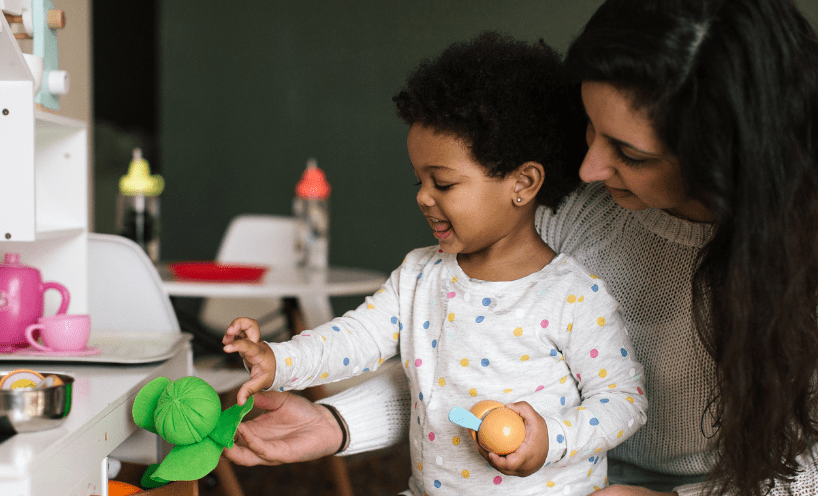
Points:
(511, 102)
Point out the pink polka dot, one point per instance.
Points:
(639, 390)
(579, 378)
(539, 388)
(452, 294)
(594, 353)
(498, 480)
(294, 379)
(418, 362)
(544, 324)
(305, 334)
(431, 436)
(440, 251)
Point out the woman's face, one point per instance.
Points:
(626, 155)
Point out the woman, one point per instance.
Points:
(701, 217)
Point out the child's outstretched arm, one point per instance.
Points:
(243, 336)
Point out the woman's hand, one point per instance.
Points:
(531, 455)
(293, 430)
(629, 491)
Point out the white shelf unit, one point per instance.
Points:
(43, 183)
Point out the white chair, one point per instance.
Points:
(125, 294)
(260, 240)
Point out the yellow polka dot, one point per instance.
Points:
(550, 484)
(600, 321)
(593, 276)
(465, 474)
(569, 425)
(524, 358)
(288, 361)
(454, 279)
(630, 398)
(380, 361)
(324, 338)
(518, 331)
(380, 290)
(579, 408)
(581, 299)
(573, 453)
(455, 440)
(441, 381)
(464, 362)
(324, 375)
(349, 331)
(473, 392)
(370, 306)
(420, 466)
(620, 434)
(506, 390)
(572, 299)
(611, 386)
(590, 471)
(406, 364)
(596, 488)
(603, 373)
(570, 326)
(395, 336)
(451, 317)
(597, 450)
(565, 378)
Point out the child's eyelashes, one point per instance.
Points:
(440, 187)
(417, 183)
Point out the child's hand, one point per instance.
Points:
(242, 328)
(531, 455)
(243, 337)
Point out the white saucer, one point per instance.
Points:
(80, 353)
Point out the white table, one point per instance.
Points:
(71, 459)
(311, 287)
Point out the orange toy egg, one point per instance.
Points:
(502, 430)
(117, 488)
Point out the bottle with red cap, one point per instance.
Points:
(311, 208)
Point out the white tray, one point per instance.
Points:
(116, 347)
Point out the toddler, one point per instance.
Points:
(491, 312)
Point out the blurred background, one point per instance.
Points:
(228, 100)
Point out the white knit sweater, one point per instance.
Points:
(647, 258)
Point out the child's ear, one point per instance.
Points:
(528, 179)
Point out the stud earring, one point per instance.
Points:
(519, 199)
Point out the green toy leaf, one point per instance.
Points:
(149, 483)
(229, 421)
(144, 404)
(189, 461)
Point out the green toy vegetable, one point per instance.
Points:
(187, 413)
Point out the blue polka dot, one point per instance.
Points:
(346, 362)
(281, 389)
(437, 483)
(479, 319)
(420, 396)
(591, 459)
(604, 400)
(596, 460)
(484, 362)
(426, 325)
(562, 401)
(594, 421)
(366, 369)
(400, 326)
(595, 288)
(336, 329)
(420, 275)
(560, 438)
(438, 261)
(624, 352)
(434, 343)
(394, 320)
(553, 352)
(486, 302)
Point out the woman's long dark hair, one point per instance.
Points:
(731, 87)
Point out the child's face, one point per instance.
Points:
(467, 210)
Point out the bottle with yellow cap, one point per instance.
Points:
(138, 205)
(311, 208)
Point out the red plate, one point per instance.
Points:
(214, 271)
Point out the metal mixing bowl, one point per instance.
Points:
(35, 409)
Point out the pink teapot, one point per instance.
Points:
(21, 299)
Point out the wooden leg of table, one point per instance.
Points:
(228, 482)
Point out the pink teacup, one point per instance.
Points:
(61, 332)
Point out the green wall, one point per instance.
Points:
(248, 93)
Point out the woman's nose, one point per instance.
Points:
(596, 166)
